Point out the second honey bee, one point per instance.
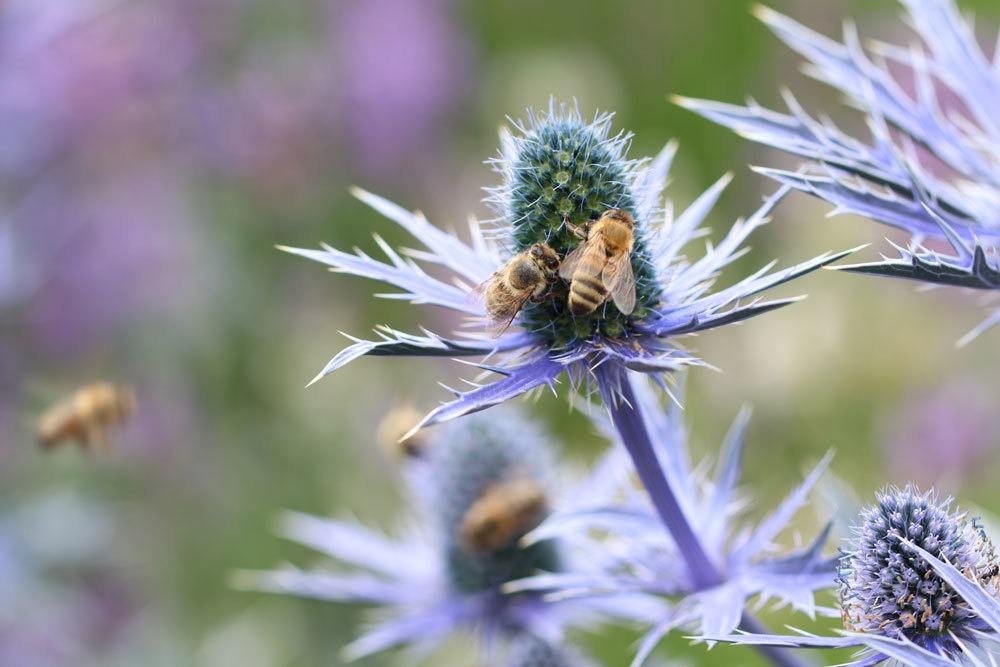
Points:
(525, 277)
(504, 512)
(601, 266)
(87, 416)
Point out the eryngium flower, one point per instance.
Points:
(558, 167)
(649, 560)
(444, 575)
(885, 587)
(932, 164)
(918, 584)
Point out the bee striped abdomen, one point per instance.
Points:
(586, 294)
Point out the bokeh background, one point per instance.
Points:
(153, 152)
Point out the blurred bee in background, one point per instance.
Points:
(391, 434)
(87, 416)
(504, 513)
(601, 266)
(525, 277)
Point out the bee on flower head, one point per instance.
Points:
(601, 266)
(525, 277)
(87, 416)
(502, 514)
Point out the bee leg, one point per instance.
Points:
(578, 231)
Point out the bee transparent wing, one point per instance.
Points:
(499, 327)
(620, 282)
(477, 295)
(568, 266)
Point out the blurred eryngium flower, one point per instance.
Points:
(932, 166)
(647, 559)
(446, 573)
(918, 583)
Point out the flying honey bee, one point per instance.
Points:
(525, 277)
(87, 416)
(601, 266)
(502, 514)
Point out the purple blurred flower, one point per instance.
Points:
(99, 259)
(932, 165)
(942, 435)
(433, 582)
(402, 66)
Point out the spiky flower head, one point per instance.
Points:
(490, 479)
(480, 485)
(932, 164)
(886, 587)
(556, 168)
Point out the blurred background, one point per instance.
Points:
(153, 152)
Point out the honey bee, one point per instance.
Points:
(502, 514)
(601, 266)
(87, 416)
(392, 430)
(525, 277)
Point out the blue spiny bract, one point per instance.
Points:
(556, 168)
(887, 588)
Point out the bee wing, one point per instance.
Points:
(478, 293)
(500, 327)
(568, 266)
(620, 282)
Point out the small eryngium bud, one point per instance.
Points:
(489, 476)
(558, 168)
(885, 587)
(394, 425)
(528, 651)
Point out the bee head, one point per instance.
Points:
(546, 255)
(621, 216)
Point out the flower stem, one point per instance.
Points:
(616, 390)
(619, 397)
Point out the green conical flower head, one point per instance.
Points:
(556, 167)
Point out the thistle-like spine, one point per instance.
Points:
(887, 588)
(465, 461)
(557, 167)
